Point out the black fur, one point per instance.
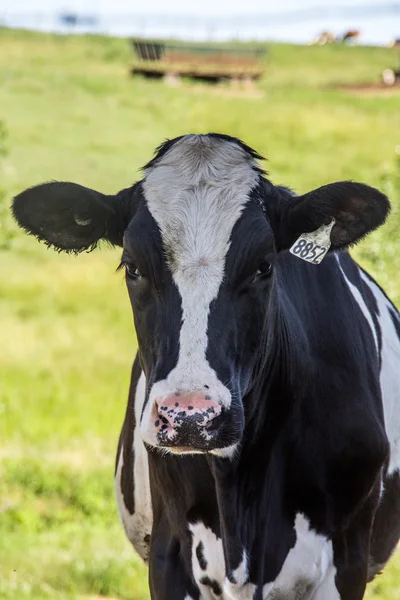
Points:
(200, 556)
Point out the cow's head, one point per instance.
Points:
(200, 236)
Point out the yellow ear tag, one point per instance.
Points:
(313, 247)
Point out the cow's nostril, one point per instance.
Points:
(215, 422)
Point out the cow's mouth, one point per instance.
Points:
(185, 450)
(190, 438)
(189, 435)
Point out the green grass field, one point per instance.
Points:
(66, 334)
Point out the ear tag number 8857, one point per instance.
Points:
(313, 247)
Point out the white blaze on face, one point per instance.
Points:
(196, 193)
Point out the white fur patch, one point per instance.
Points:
(196, 193)
(308, 568)
(307, 573)
(215, 569)
(361, 303)
(241, 589)
(137, 526)
(213, 554)
(390, 374)
(327, 589)
(241, 573)
(243, 592)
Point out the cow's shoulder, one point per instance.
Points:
(387, 320)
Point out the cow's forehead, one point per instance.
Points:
(201, 159)
(198, 159)
(196, 192)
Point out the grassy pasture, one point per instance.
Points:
(66, 333)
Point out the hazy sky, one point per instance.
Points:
(378, 20)
(179, 6)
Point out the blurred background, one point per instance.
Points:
(87, 91)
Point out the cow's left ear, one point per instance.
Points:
(71, 217)
(357, 209)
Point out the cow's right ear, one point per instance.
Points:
(68, 216)
(354, 210)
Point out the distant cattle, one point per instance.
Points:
(351, 35)
(326, 37)
(259, 457)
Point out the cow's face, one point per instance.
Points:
(200, 234)
(199, 256)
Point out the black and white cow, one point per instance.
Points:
(260, 453)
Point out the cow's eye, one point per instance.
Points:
(132, 272)
(264, 270)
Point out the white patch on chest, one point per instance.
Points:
(209, 570)
(208, 563)
(240, 588)
(196, 193)
(308, 568)
(137, 526)
(390, 374)
(308, 572)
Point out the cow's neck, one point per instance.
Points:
(249, 488)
